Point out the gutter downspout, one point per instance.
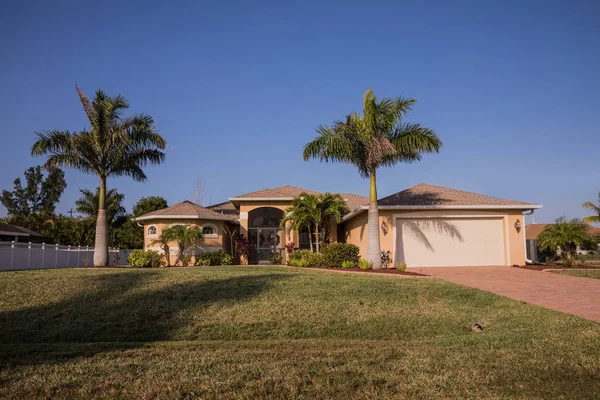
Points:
(527, 261)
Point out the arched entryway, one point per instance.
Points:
(264, 233)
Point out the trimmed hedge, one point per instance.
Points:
(336, 253)
(144, 259)
(219, 257)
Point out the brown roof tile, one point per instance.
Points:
(225, 208)
(185, 208)
(429, 195)
(354, 201)
(532, 231)
(283, 192)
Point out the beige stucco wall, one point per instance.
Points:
(209, 243)
(355, 231)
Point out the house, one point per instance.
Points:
(424, 225)
(9, 233)
(534, 230)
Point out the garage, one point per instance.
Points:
(450, 241)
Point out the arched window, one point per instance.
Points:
(152, 231)
(208, 230)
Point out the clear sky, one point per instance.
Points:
(237, 88)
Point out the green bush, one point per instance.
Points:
(365, 264)
(219, 257)
(401, 267)
(335, 254)
(300, 254)
(305, 258)
(144, 259)
(275, 258)
(348, 264)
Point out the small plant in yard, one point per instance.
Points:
(144, 259)
(386, 259)
(117, 259)
(203, 262)
(401, 267)
(365, 264)
(348, 265)
(275, 258)
(219, 257)
(289, 248)
(186, 260)
(243, 246)
(333, 255)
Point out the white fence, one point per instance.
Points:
(16, 256)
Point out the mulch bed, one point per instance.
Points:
(368, 271)
(543, 267)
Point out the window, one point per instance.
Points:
(208, 230)
(152, 231)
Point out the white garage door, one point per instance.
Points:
(450, 242)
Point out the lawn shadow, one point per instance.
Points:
(118, 312)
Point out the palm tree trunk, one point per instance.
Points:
(373, 245)
(317, 236)
(101, 242)
(310, 238)
(167, 255)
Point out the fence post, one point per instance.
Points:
(69, 256)
(55, 256)
(43, 258)
(29, 255)
(78, 253)
(87, 256)
(12, 255)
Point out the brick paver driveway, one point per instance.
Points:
(569, 294)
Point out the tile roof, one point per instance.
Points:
(354, 201)
(225, 208)
(532, 231)
(185, 208)
(283, 192)
(430, 195)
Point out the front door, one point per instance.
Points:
(265, 241)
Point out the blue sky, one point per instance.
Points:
(237, 89)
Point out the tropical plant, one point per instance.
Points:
(348, 265)
(566, 236)
(595, 209)
(243, 246)
(336, 253)
(113, 146)
(378, 138)
(163, 242)
(219, 257)
(275, 258)
(401, 267)
(365, 264)
(144, 259)
(186, 236)
(386, 259)
(88, 204)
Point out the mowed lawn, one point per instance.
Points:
(277, 332)
(584, 274)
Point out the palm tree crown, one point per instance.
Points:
(595, 209)
(378, 138)
(88, 204)
(184, 235)
(114, 145)
(566, 236)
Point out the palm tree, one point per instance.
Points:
(184, 235)
(378, 138)
(300, 215)
(113, 146)
(88, 204)
(330, 206)
(595, 209)
(566, 236)
(163, 242)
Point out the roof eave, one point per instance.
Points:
(261, 198)
(216, 217)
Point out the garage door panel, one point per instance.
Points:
(450, 241)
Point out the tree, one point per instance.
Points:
(113, 146)
(566, 236)
(595, 209)
(301, 215)
(88, 204)
(378, 138)
(163, 242)
(149, 204)
(40, 194)
(184, 235)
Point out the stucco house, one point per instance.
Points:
(424, 225)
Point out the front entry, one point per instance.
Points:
(264, 233)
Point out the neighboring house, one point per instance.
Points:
(424, 225)
(534, 230)
(9, 233)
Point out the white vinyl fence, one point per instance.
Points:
(16, 256)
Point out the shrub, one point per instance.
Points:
(348, 264)
(401, 267)
(316, 260)
(333, 255)
(289, 248)
(243, 246)
(300, 254)
(275, 258)
(144, 259)
(305, 258)
(386, 259)
(219, 257)
(186, 260)
(365, 264)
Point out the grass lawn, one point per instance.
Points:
(592, 273)
(276, 332)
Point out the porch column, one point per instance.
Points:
(244, 231)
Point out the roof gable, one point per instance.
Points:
(283, 192)
(185, 209)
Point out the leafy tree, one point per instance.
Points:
(113, 146)
(300, 215)
(149, 204)
(595, 209)
(184, 235)
(40, 194)
(378, 138)
(88, 204)
(566, 236)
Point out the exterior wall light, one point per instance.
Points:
(518, 226)
(384, 227)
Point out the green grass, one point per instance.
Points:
(584, 274)
(276, 332)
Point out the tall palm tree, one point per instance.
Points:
(566, 236)
(114, 145)
(300, 215)
(88, 204)
(378, 138)
(185, 236)
(595, 209)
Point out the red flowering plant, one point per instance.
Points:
(243, 246)
(289, 248)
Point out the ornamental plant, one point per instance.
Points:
(243, 246)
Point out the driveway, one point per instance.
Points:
(569, 294)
